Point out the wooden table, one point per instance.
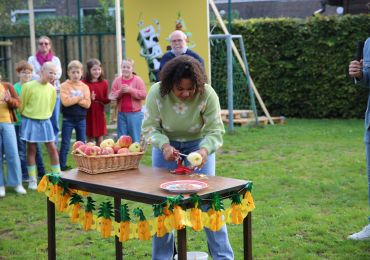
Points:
(142, 185)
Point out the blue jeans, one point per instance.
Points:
(367, 149)
(55, 119)
(67, 127)
(22, 152)
(129, 123)
(218, 242)
(8, 146)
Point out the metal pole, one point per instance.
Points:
(118, 36)
(229, 16)
(79, 31)
(32, 27)
(230, 100)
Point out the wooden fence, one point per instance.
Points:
(100, 46)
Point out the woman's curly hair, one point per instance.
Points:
(182, 67)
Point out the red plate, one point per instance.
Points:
(184, 186)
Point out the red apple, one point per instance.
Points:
(107, 151)
(77, 144)
(123, 151)
(81, 149)
(92, 150)
(116, 147)
(125, 141)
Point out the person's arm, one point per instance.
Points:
(360, 70)
(213, 126)
(36, 67)
(65, 96)
(58, 65)
(24, 98)
(140, 91)
(115, 92)
(151, 127)
(13, 99)
(103, 99)
(85, 100)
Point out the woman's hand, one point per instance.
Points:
(125, 89)
(355, 69)
(204, 153)
(169, 152)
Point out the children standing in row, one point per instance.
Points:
(75, 98)
(24, 71)
(38, 101)
(129, 90)
(96, 121)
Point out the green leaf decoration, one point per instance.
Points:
(54, 178)
(105, 210)
(90, 204)
(124, 213)
(158, 209)
(216, 202)
(236, 198)
(177, 200)
(75, 199)
(139, 213)
(195, 200)
(249, 186)
(65, 187)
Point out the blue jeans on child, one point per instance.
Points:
(8, 145)
(129, 123)
(22, 152)
(55, 119)
(218, 242)
(68, 125)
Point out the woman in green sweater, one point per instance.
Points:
(183, 116)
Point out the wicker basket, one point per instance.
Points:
(107, 163)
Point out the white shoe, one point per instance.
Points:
(20, 190)
(364, 234)
(2, 191)
(32, 185)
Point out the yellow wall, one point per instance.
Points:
(140, 14)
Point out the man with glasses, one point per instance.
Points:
(178, 40)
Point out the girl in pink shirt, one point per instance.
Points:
(129, 90)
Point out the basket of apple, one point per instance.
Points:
(110, 156)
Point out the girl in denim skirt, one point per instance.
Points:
(38, 101)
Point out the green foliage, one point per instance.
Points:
(299, 66)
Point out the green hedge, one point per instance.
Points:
(300, 66)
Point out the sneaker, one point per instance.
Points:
(364, 234)
(66, 168)
(2, 191)
(20, 190)
(32, 185)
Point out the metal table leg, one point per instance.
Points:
(247, 236)
(51, 229)
(181, 243)
(117, 205)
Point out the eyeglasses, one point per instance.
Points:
(179, 40)
(44, 43)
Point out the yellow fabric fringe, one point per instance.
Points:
(144, 230)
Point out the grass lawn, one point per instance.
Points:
(310, 190)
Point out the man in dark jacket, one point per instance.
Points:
(179, 46)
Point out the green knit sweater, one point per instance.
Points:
(168, 118)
